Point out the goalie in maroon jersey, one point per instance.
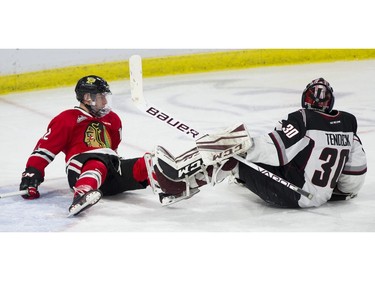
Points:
(315, 148)
(89, 136)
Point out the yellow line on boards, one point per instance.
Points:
(182, 64)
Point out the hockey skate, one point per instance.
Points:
(166, 199)
(83, 202)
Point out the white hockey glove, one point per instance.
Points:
(214, 148)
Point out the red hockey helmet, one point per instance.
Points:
(318, 95)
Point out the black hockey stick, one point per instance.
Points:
(136, 88)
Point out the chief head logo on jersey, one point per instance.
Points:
(97, 136)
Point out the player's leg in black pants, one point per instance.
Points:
(118, 182)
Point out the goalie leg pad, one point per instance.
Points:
(224, 170)
(165, 179)
(174, 191)
(180, 167)
(169, 186)
(211, 175)
(215, 148)
(172, 187)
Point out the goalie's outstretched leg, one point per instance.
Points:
(169, 190)
(174, 191)
(178, 178)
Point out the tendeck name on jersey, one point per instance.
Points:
(338, 139)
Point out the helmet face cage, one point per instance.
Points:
(101, 104)
(99, 94)
(318, 95)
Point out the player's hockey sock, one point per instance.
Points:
(140, 170)
(92, 176)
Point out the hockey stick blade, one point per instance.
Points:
(136, 88)
(16, 193)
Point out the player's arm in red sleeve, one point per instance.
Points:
(45, 151)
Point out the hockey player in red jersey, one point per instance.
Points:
(89, 136)
(315, 148)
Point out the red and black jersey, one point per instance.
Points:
(75, 131)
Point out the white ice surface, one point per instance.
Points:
(259, 97)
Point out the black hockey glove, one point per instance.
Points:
(31, 179)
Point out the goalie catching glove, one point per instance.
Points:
(31, 179)
(215, 148)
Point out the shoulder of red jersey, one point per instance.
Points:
(114, 118)
(77, 115)
(113, 115)
(74, 115)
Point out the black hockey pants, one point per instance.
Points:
(118, 180)
(266, 188)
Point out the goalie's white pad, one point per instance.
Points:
(171, 190)
(180, 167)
(173, 175)
(178, 178)
(214, 148)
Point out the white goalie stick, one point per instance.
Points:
(136, 88)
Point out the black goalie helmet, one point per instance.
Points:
(94, 92)
(318, 95)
